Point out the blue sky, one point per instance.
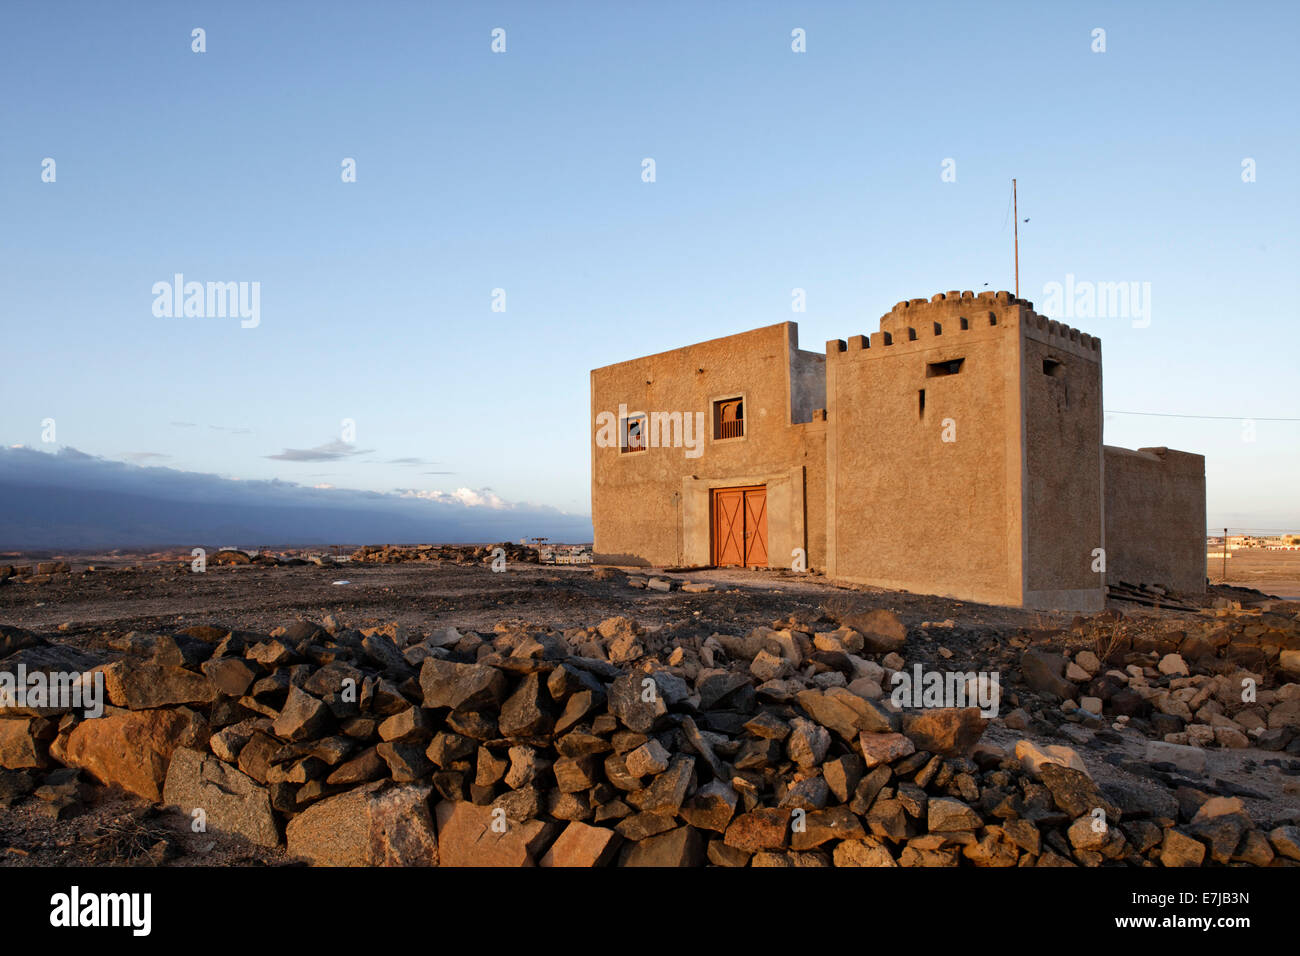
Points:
(522, 171)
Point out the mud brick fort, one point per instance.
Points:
(957, 451)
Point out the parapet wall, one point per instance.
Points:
(920, 320)
(1155, 518)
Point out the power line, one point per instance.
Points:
(1218, 532)
(1229, 418)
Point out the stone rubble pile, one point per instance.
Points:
(40, 573)
(589, 747)
(45, 572)
(456, 554)
(1229, 681)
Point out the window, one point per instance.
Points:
(921, 403)
(950, 367)
(632, 434)
(1053, 368)
(728, 419)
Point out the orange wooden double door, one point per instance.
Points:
(740, 526)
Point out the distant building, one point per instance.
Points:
(564, 554)
(956, 451)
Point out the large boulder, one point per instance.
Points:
(139, 686)
(846, 713)
(24, 742)
(1074, 791)
(470, 835)
(582, 845)
(881, 630)
(230, 800)
(460, 686)
(952, 731)
(1032, 757)
(302, 717)
(131, 750)
(1044, 671)
(372, 825)
(15, 639)
(676, 848)
(639, 706)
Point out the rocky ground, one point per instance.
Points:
(518, 699)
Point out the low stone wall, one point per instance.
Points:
(591, 747)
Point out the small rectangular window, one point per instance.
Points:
(728, 418)
(937, 369)
(1053, 368)
(632, 434)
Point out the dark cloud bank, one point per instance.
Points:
(68, 500)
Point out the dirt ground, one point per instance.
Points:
(1277, 572)
(88, 608)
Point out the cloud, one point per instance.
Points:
(437, 473)
(67, 499)
(139, 456)
(215, 428)
(409, 461)
(331, 451)
(469, 497)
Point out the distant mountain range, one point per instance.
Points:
(73, 501)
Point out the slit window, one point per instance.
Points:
(920, 411)
(728, 418)
(937, 369)
(632, 434)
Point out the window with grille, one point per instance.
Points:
(632, 434)
(728, 418)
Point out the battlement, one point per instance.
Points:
(919, 320)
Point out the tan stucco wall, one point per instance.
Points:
(907, 509)
(1155, 518)
(1063, 467)
(652, 507)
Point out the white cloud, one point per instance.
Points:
(469, 497)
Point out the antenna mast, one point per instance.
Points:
(1015, 212)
